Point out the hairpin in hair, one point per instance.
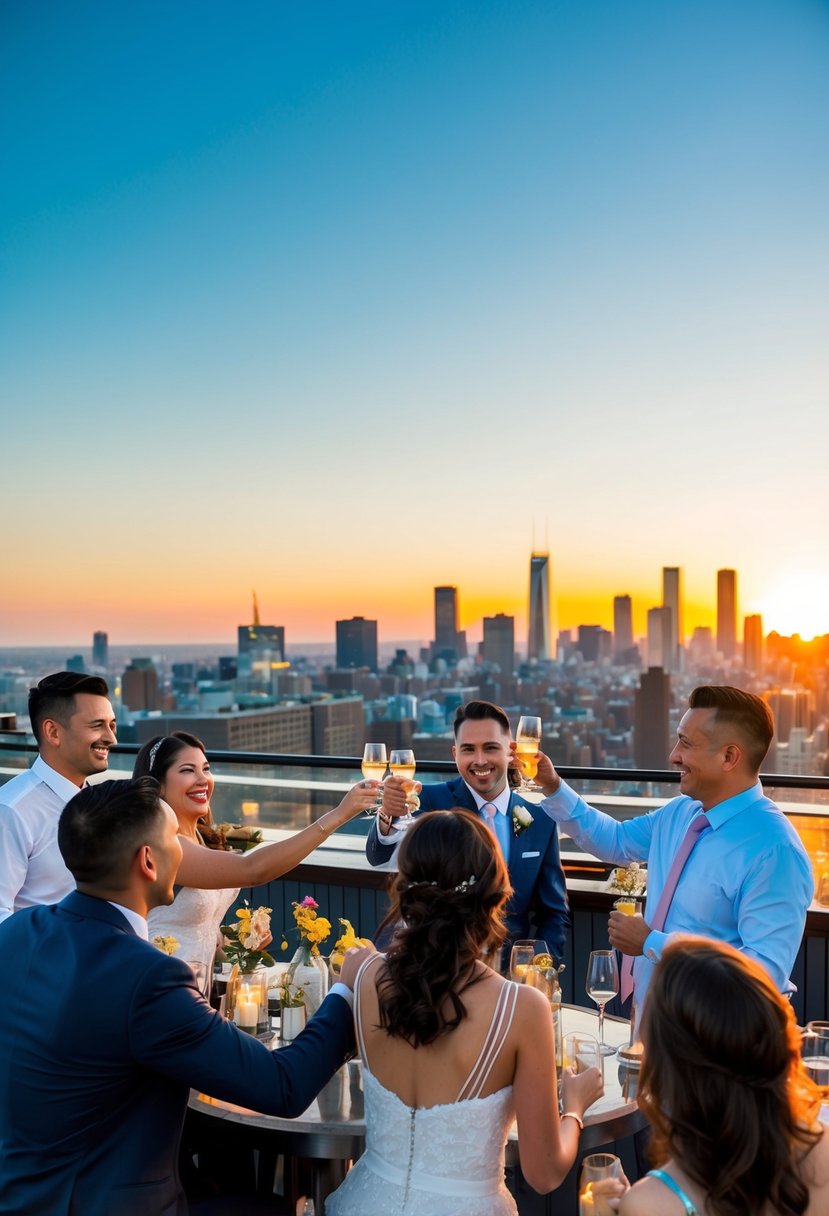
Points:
(153, 754)
(461, 886)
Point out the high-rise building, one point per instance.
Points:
(753, 643)
(593, 643)
(538, 615)
(651, 739)
(622, 625)
(727, 613)
(659, 638)
(499, 642)
(450, 642)
(357, 643)
(672, 598)
(75, 663)
(256, 639)
(100, 649)
(139, 685)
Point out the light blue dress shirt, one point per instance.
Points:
(748, 881)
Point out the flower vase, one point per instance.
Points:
(309, 972)
(291, 1022)
(246, 1001)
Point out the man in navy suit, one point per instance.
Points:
(102, 1035)
(483, 755)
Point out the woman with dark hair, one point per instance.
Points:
(210, 876)
(733, 1112)
(451, 1051)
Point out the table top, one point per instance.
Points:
(333, 1125)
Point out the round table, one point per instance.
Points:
(331, 1132)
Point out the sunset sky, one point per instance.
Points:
(340, 301)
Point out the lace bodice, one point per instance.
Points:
(445, 1160)
(193, 918)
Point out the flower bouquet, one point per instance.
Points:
(629, 880)
(246, 999)
(245, 939)
(307, 969)
(167, 944)
(345, 941)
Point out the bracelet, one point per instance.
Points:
(322, 827)
(571, 1114)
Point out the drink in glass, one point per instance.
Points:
(374, 769)
(402, 764)
(527, 744)
(602, 984)
(600, 1173)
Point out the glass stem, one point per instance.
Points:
(601, 1025)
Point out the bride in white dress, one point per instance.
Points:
(453, 1053)
(209, 877)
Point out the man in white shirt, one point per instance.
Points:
(74, 725)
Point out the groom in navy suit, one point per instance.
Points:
(102, 1035)
(483, 755)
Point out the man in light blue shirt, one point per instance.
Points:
(748, 880)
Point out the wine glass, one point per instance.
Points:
(602, 984)
(523, 958)
(402, 764)
(374, 769)
(527, 744)
(599, 1171)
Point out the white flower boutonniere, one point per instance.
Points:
(521, 818)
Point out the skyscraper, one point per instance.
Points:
(753, 643)
(499, 642)
(727, 613)
(659, 637)
(651, 741)
(538, 615)
(622, 625)
(100, 649)
(450, 642)
(256, 638)
(357, 643)
(672, 598)
(139, 685)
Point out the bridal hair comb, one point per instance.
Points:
(462, 886)
(153, 754)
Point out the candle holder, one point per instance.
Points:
(246, 1000)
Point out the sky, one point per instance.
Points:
(342, 301)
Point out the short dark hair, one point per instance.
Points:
(54, 697)
(749, 713)
(104, 825)
(477, 711)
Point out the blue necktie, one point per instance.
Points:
(499, 826)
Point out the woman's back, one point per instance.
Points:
(437, 1116)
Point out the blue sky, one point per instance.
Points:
(295, 295)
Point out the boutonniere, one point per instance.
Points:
(521, 818)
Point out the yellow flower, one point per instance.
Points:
(168, 944)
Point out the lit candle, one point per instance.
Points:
(247, 1011)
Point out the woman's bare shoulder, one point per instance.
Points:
(816, 1175)
(648, 1197)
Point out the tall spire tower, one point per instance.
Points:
(538, 615)
(256, 620)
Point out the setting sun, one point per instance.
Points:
(799, 605)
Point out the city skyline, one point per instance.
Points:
(345, 303)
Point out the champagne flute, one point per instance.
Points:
(602, 984)
(374, 769)
(402, 764)
(527, 744)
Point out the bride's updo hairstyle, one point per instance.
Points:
(157, 757)
(448, 900)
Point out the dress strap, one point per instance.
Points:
(499, 1027)
(674, 1186)
(358, 1021)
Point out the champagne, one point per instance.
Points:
(818, 1069)
(403, 770)
(626, 906)
(601, 995)
(526, 754)
(374, 770)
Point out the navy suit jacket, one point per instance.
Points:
(539, 890)
(101, 1038)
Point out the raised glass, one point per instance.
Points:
(602, 984)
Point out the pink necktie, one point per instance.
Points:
(678, 865)
(489, 811)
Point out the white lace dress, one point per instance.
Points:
(193, 919)
(443, 1160)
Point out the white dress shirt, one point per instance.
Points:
(31, 867)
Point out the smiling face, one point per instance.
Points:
(80, 747)
(482, 755)
(702, 754)
(188, 785)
